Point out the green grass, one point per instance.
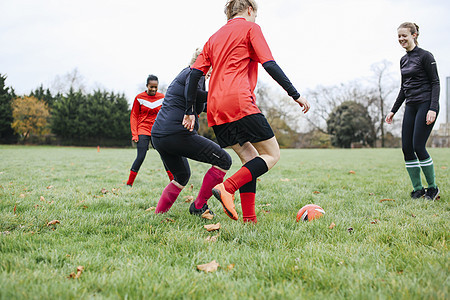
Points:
(131, 253)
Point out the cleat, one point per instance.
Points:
(432, 193)
(418, 194)
(226, 199)
(199, 212)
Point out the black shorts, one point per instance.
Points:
(252, 128)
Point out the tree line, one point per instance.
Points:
(73, 118)
(345, 115)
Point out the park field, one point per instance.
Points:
(374, 242)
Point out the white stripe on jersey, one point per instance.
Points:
(149, 104)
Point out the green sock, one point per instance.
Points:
(428, 169)
(413, 168)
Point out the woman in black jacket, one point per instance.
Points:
(420, 90)
(175, 144)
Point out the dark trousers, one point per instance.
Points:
(175, 149)
(415, 131)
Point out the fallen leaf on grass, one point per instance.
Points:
(316, 192)
(264, 205)
(383, 200)
(371, 194)
(49, 187)
(212, 238)
(207, 215)
(188, 199)
(351, 172)
(285, 179)
(54, 222)
(168, 220)
(36, 206)
(257, 179)
(350, 229)
(266, 211)
(209, 267)
(15, 207)
(230, 267)
(332, 225)
(79, 271)
(413, 215)
(104, 191)
(443, 167)
(375, 221)
(191, 187)
(151, 208)
(42, 198)
(22, 195)
(212, 227)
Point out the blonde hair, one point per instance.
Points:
(235, 7)
(195, 55)
(413, 28)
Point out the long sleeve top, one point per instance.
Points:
(420, 79)
(143, 114)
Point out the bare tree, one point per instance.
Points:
(379, 100)
(72, 80)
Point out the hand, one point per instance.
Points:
(189, 122)
(431, 117)
(304, 104)
(389, 117)
(135, 140)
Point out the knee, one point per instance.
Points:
(182, 177)
(225, 162)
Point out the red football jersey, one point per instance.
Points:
(143, 114)
(233, 52)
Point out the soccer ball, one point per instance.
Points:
(310, 212)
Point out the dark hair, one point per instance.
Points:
(413, 28)
(152, 78)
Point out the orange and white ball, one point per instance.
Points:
(310, 212)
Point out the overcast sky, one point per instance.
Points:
(115, 44)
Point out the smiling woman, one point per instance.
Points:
(420, 89)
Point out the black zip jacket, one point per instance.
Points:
(420, 79)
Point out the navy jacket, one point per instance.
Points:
(170, 117)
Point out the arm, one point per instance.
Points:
(191, 97)
(278, 75)
(399, 101)
(429, 64)
(134, 120)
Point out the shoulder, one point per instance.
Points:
(159, 95)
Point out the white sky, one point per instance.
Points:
(116, 44)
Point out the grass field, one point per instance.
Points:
(378, 250)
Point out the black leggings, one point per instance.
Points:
(175, 149)
(415, 131)
(142, 148)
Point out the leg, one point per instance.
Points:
(422, 132)
(411, 161)
(179, 166)
(142, 148)
(202, 149)
(165, 167)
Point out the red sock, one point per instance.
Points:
(131, 177)
(248, 207)
(238, 179)
(170, 175)
(212, 178)
(168, 197)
